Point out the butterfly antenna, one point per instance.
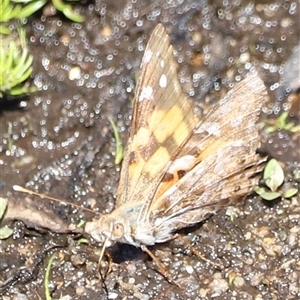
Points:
(18, 188)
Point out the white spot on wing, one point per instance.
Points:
(147, 56)
(210, 127)
(146, 93)
(163, 81)
(162, 63)
(182, 163)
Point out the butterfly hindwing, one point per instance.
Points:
(222, 152)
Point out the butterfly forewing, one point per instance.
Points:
(162, 120)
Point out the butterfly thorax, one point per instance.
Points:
(121, 226)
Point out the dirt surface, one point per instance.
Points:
(61, 144)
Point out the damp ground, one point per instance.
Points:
(58, 141)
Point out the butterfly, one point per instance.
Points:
(177, 169)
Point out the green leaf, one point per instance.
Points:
(67, 11)
(296, 174)
(31, 8)
(4, 30)
(281, 122)
(265, 194)
(119, 147)
(18, 68)
(21, 90)
(295, 129)
(5, 233)
(9, 12)
(21, 1)
(83, 241)
(273, 175)
(3, 205)
(10, 56)
(47, 277)
(290, 193)
(80, 224)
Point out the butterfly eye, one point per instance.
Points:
(118, 230)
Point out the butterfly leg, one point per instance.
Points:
(162, 268)
(110, 262)
(197, 253)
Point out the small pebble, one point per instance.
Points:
(189, 269)
(74, 73)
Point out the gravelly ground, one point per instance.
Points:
(64, 147)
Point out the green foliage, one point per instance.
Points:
(67, 11)
(20, 9)
(47, 277)
(119, 147)
(15, 63)
(281, 123)
(15, 60)
(9, 11)
(273, 175)
(5, 232)
(274, 181)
